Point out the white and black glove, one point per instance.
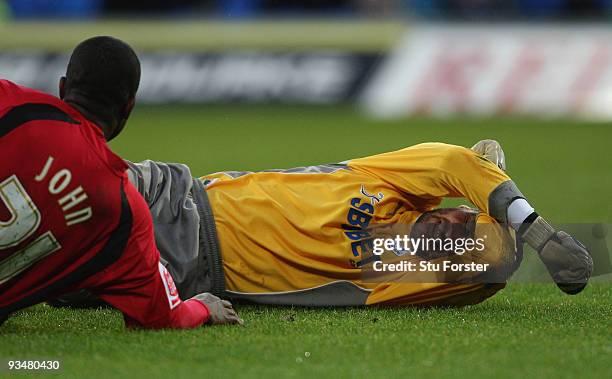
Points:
(567, 260)
(221, 311)
(491, 150)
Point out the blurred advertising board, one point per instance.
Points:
(547, 71)
(306, 77)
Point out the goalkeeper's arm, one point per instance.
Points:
(566, 259)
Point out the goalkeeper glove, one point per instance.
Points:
(221, 311)
(567, 260)
(492, 151)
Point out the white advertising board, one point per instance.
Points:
(547, 71)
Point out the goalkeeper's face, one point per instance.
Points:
(447, 223)
(465, 223)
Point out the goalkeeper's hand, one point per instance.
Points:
(221, 311)
(492, 151)
(567, 260)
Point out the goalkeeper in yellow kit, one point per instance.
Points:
(305, 236)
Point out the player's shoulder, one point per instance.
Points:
(74, 136)
(32, 104)
(12, 94)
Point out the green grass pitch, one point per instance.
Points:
(527, 330)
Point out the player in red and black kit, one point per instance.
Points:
(69, 217)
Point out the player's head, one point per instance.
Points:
(102, 79)
(443, 223)
(498, 245)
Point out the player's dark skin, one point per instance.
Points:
(81, 104)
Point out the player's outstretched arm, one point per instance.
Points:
(141, 288)
(153, 303)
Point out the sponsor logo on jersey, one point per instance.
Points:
(171, 291)
(373, 198)
(358, 219)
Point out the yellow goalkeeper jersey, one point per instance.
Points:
(293, 236)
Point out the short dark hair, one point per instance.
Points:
(103, 73)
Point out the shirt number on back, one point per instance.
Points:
(24, 220)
